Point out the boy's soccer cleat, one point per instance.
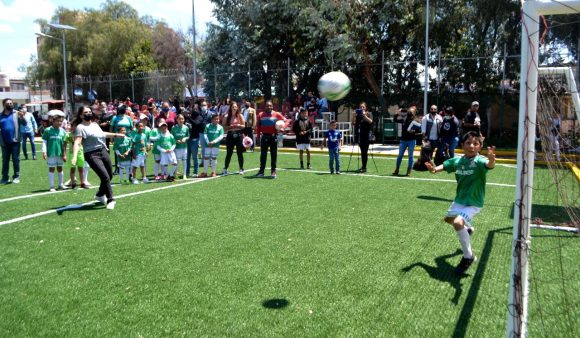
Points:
(16, 180)
(52, 189)
(135, 181)
(157, 178)
(224, 172)
(145, 180)
(102, 199)
(260, 174)
(273, 175)
(203, 175)
(60, 187)
(464, 264)
(241, 171)
(338, 172)
(308, 166)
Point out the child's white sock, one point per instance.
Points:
(128, 172)
(213, 164)
(51, 179)
(60, 178)
(173, 170)
(465, 243)
(85, 175)
(164, 170)
(156, 169)
(205, 165)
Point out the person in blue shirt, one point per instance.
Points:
(10, 121)
(334, 143)
(28, 131)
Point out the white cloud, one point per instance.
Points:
(19, 10)
(5, 28)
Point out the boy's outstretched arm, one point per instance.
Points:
(434, 169)
(491, 157)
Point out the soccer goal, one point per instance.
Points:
(542, 102)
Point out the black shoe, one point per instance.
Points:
(464, 264)
(363, 170)
(470, 230)
(308, 166)
(260, 174)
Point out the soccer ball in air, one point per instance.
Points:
(334, 85)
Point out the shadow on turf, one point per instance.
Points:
(275, 303)
(78, 207)
(442, 271)
(433, 198)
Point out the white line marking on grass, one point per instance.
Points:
(48, 193)
(397, 177)
(78, 206)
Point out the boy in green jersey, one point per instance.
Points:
(165, 144)
(213, 134)
(122, 148)
(470, 173)
(181, 133)
(54, 151)
(153, 136)
(140, 143)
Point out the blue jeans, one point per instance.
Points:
(8, 150)
(451, 143)
(334, 158)
(25, 137)
(203, 145)
(410, 145)
(192, 150)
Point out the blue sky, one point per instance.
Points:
(17, 25)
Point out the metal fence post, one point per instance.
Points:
(132, 87)
(110, 89)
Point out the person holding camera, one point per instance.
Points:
(408, 139)
(362, 120)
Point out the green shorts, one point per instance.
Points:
(80, 158)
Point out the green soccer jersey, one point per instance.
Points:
(153, 136)
(470, 174)
(140, 142)
(179, 133)
(55, 139)
(122, 144)
(214, 132)
(165, 141)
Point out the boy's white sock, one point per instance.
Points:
(164, 170)
(85, 175)
(214, 164)
(173, 170)
(51, 179)
(60, 178)
(156, 169)
(128, 172)
(205, 165)
(465, 243)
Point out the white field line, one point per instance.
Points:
(398, 177)
(47, 193)
(78, 206)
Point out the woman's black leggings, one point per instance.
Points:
(234, 139)
(100, 162)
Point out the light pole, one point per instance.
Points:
(63, 40)
(194, 54)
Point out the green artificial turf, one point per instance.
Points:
(307, 254)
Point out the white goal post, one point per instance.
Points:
(518, 302)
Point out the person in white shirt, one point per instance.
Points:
(430, 127)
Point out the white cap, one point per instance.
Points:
(474, 103)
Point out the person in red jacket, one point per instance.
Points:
(267, 131)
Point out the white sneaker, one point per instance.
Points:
(224, 172)
(16, 180)
(102, 199)
(184, 177)
(241, 172)
(52, 189)
(135, 181)
(111, 205)
(145, 180)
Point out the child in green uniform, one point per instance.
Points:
(213, 134)
(54, 151)
(181, 133)
(122, 148)
(140, 143)
(166, 146)
(470, 173)
(153, 137)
